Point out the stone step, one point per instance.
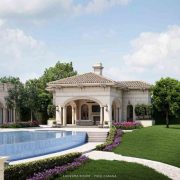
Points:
(97, 136)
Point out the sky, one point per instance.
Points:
(134, 39)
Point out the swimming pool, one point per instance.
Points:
(25, 144)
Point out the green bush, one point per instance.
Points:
(21, 124)
(51, 110)
(143, 111)
(109, 139)
(25, 170)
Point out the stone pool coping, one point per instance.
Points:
(85, 148)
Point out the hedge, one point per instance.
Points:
(110, 139)
(25, 170)
(21, 124)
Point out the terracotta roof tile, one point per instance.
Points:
(87, 78)
(135, 84)
(95, 79)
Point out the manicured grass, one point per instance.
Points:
(156, 143)
(103, 169)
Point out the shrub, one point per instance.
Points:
(21, 124)
(25, 170)
(127, 125)
(113, 140)
(51, 110)
(59, 170)
(143, 111)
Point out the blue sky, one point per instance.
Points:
(134, 39)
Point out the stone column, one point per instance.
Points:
(101, 115)
(14, 115)
(58, 114)
(2, 160)
(4, 115)
(64, 116)
(73, 115)
(134, 115)
(110, 114)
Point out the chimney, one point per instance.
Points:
(98, 68)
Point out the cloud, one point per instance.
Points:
(20, 53)
(153, 55)
(42, 8)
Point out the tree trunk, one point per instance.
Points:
(167, 119)
(31, 116)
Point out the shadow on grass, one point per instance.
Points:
(171, 127)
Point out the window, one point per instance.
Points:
(95, 108)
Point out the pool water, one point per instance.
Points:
(25, 144)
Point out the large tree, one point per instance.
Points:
(15, 98)
(166, 97)
(59, 71)
(32, 98)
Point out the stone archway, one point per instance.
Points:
(116, 110)
(1, 113)
(81, 111)
(69, 114)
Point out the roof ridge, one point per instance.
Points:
(104, 77)
(67, 78)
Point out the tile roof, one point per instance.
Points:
(87, 78)
(135, 84)
(92, 79)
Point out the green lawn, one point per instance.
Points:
(103, 169)
(156, 143)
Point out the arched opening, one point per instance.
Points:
(1, 113)
(69, 114)
(84, 112)
(116, 110)
(129, 113)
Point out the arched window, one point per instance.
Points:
(84, 112)
(129, 113)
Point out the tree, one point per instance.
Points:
(15, 94)
(59, 71)
(32, 96)
(166, 97)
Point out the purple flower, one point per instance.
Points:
(59, 169)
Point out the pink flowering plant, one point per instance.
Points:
(127, 125)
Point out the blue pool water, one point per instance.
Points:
(25, 144)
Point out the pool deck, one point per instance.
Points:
(70, 128)
(83, 148)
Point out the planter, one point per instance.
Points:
(50, 122)
(146, 123)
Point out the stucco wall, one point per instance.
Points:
(134, 97)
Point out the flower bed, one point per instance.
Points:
(112, 141)
(59, 170)
(127, 125)
(25, 170)
(21, 124)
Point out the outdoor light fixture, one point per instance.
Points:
(57, 108)
(106, 107)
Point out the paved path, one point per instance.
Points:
(168, 170)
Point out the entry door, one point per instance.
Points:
(69, 115)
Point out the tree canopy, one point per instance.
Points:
(166, 97)
(31, 99)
